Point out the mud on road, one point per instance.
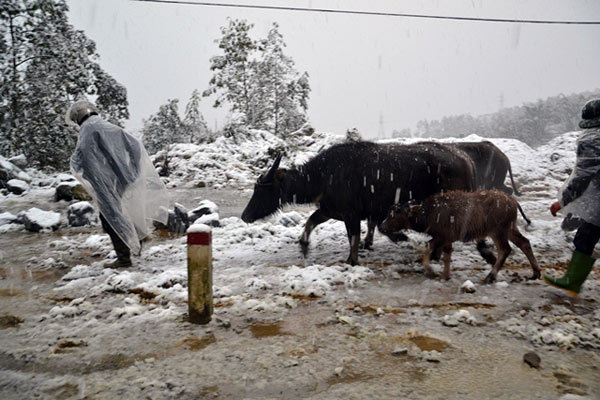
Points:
(399, 335)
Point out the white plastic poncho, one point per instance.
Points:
(580, 195)
(116, 171)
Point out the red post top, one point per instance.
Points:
(199, 238)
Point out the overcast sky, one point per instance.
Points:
(370, 72)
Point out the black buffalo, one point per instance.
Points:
(491, 165)
(355, 181)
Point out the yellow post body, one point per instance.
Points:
(200, 296)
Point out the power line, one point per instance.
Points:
(372, 13)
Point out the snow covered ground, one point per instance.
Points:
(287, 326)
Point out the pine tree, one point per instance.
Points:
(196, 129)
(46, 66)
(164, 128)
(258, 80)
(285, 93)
(234, 70)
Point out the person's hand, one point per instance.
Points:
(555, 207)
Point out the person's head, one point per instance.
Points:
(590, 114)
(80, 111)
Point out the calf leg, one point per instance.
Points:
(447, 257)
(315, 219)
(353, 230)
(521, 241)
(503, 251)
(431, 248)
(370, 232)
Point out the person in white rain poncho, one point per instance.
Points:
(116, 171)
(580, 196)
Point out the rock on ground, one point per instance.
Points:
(9, 171)
(71, 190)
(81, 213)
(36, 220)
(204, 208)
(7, 218)
(17, 186)
(20, 161)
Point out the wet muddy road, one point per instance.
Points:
(384, 340)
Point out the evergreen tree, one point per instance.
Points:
(196, 129)
(533, 123)
(234, 70)
(258, 80)
(164, 128)
(285, 93)
(46, 66)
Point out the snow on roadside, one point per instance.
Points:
(258, 267)
(238, 161)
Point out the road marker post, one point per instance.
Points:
(199, 262)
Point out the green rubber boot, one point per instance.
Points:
(579, 268)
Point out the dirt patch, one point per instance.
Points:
(454, 306)
(68, 345)
(144, 295)
(208, 392)
(303, 297)
(196, 344)
(266, 330)
(372, 309)
(112, 362)
(11, 292)
(10, 321)
(568, 384)
(227, 303)
(428, 343)
(349, 378)
(64, 391)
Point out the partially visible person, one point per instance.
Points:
(580, 196)
(116, 171)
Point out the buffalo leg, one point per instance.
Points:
(315, 219)
(522, 243)
(447, 257)
(370, 232)
(503, 251)
(353, 230)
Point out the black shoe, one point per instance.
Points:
(118, 264)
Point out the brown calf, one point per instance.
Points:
(464, 216)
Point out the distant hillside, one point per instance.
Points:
(533, 123)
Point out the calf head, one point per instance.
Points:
(266, 198)
(398, 218)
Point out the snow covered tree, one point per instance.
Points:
(285, 92)
(196, 129)
(163, 128)
(258, 80)
(234, 70)
(46, 66)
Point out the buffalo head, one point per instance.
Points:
(398, 218)
(266, 198)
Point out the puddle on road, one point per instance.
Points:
(350, 377)
(428, 343)
(267, 330)
(196, 344)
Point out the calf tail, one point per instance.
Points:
(523, 214)
(517, 193)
